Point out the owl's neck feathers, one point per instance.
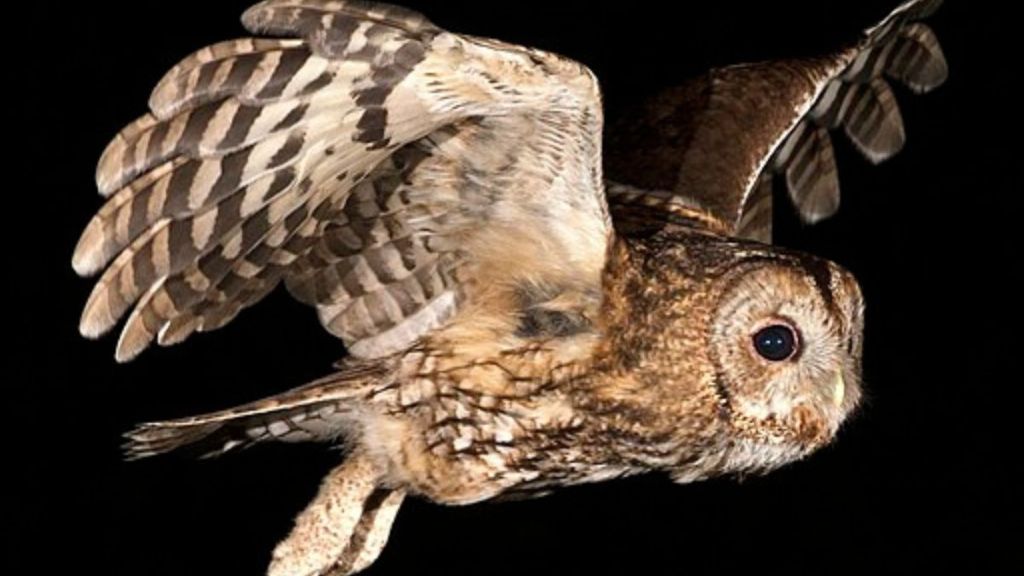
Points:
(653, 390)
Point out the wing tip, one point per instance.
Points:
(88, 258)
(116, 166)
(812, 216)
(108, 172)
(90, 331)
(134, 339)
(879, 152)
(163, 95)
(931, 71)
(819, 204)
(885, 135)
(97, 318)
(123, 357)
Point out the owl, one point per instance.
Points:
(515, 321)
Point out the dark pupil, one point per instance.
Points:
(775, 342)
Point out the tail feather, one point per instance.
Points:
(317, 412)
(219, 433)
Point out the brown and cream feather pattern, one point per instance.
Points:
(439, 199)
(348, 162)
(721, 138)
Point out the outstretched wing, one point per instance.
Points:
(720, 139)
(387, 170)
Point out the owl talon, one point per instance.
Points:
(344, 528)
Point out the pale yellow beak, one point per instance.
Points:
(838, 389)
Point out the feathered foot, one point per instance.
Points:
(344, 528)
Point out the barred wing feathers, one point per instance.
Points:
(368, 158)
(720, 139)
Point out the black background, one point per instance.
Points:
(914, 481)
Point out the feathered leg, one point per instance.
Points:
(344, 528)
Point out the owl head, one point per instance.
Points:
(784, 340)
(763, 341)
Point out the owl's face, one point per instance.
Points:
(785, 341)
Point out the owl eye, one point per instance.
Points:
(776, 342)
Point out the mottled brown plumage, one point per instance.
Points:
(440, 200)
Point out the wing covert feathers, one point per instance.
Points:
(333, 157)
(734, 129)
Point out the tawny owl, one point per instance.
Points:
(514, 322)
